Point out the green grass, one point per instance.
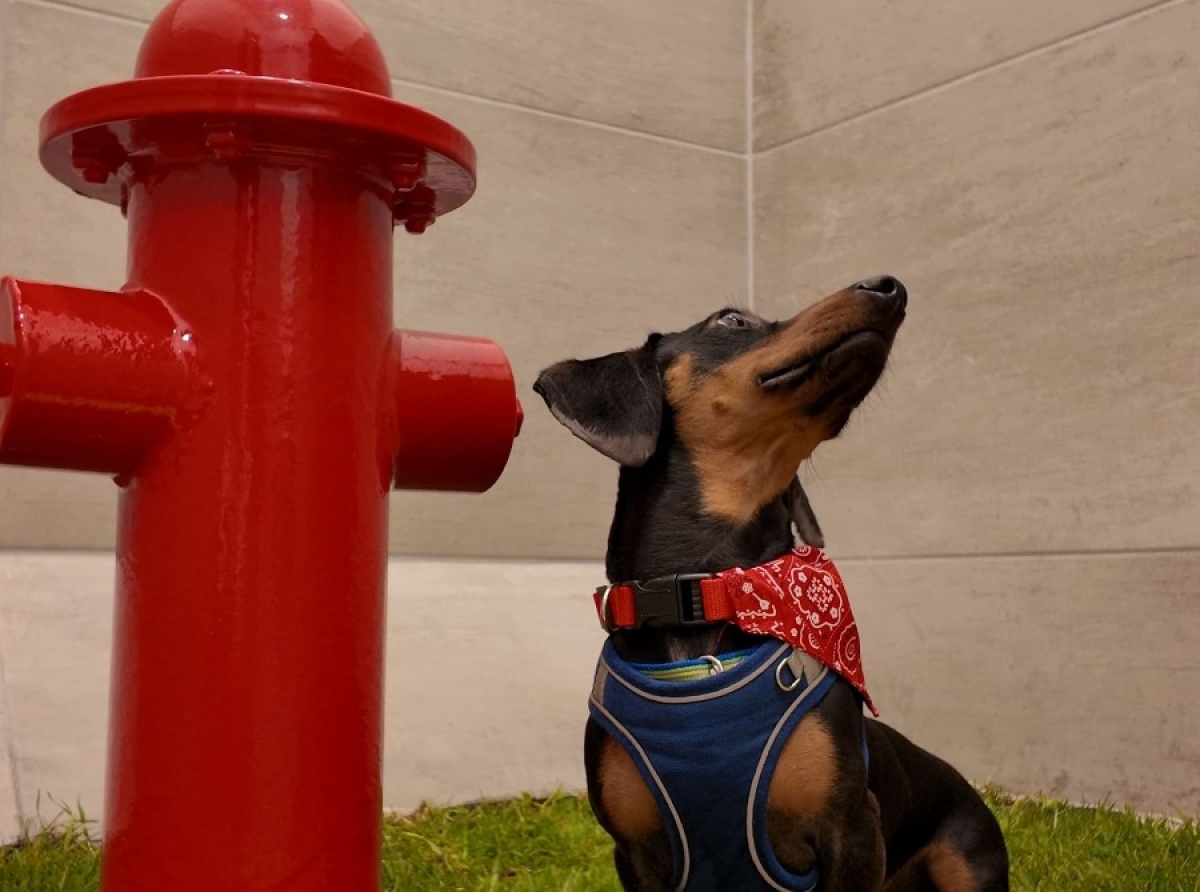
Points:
(61, 855)
(1053, 846)
(523, 845)
(553, 845)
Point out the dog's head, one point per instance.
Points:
(747, 399)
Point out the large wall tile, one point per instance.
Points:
(132, 10)
(11, 824)
(668, 69)
(579, 242)
(48, 231)
(1043, 395)
(823, 61)
(1073, 676)
(56, 509)
(471, 712)
(55, 643)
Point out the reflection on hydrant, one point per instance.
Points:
(247, 391)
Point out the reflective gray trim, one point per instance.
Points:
(804, 666)
(762, 761)
(683, 840)
(698, 698)
(602, 675)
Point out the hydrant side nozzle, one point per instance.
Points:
(456, 412)
(7, 369)
(91, 380)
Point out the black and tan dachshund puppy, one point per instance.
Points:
(710, 426)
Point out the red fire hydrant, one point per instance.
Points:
(250, 396)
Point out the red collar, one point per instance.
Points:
(798, 598)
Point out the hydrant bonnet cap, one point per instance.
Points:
(299, 79)
(320, 41)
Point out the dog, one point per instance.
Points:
(749, 781)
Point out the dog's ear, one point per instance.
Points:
(802, 515)
(612, 403)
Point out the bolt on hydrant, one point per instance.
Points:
(248, 393)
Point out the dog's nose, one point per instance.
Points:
(886, 287)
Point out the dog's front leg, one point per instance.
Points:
(639, 868)
(626, 809)
(847, 849)
(820, 812)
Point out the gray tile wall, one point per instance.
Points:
(1018, 506)
(1046, 387)
(984, 660)
(825, 61)
(1063, 674)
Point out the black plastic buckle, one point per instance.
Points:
(667, 601)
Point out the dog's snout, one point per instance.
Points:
(885, 286)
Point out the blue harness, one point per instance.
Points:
(707, 749)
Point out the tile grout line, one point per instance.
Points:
(934, 89)
(865, 558)
(559, 116)
(1065, 554)
(750, 197)
(426, 558)
(87, 11)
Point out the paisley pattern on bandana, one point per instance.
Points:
(800, 598)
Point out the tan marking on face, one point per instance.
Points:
(806, 773)
(747, 444)
(628, 804)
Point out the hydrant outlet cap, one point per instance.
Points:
(319, 41)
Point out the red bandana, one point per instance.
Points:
(799, 599)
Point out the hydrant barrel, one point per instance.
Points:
(251, 552)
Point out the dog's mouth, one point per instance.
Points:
(796, 373)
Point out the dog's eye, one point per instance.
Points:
(733, 320)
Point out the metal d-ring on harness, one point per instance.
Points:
(804, 668)
(784, 686)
